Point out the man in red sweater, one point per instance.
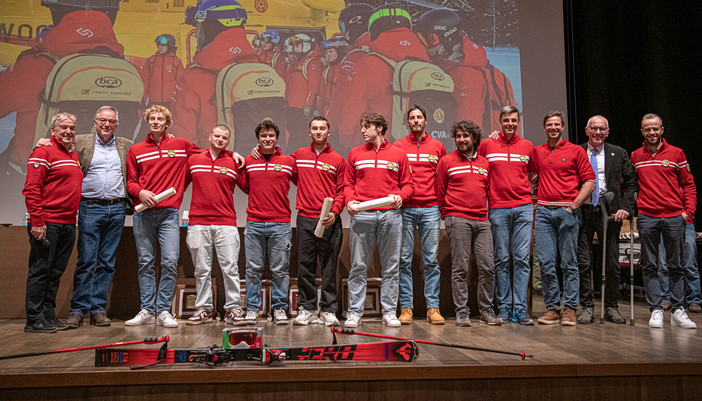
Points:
(375, 169)
(268, 232)
(667, 200)
(461, 188)
(421, 212)
(213, 225)
(511, 214)
(320, 174)
(52, 197)
(154, 165)
(566, 180)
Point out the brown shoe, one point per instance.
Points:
(202, 316)
(100, 319)
(551, 316)
(74, 321)
(694, 308)
(406, 316)
(568, 317)
(434, 316)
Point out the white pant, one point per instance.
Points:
(225, 239)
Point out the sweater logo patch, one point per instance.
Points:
(169, 68)
(665, 163)
(434, 158)
(523, 158)
(223, 170)
(171, 153)
(393, 166)
(36, 164)
(277, 167)
(482, 171)
(563, 160)
(326, 167)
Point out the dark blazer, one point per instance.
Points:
(85, 147)
(620, 177)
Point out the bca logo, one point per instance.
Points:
(437, 76)
(405, 43)
(108, 82)
(85, 32)
(264, 81)
(235, 50)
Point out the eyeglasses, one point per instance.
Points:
(603, 129)
(104, 121)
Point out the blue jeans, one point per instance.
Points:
(671, 230)
(99, 231)
(385, 226)
(512, 224)
(557, 230)
(272, 240)
(157, 227)
(689, 263)
(428, 221)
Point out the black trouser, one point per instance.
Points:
(46, 266)
(591, 223)
(310, 249)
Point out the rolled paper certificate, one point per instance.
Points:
(159, 197)
(326, 207)
(375, 203)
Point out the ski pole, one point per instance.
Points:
(87, 347)
(360, 333)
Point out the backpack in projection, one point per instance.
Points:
(81, 83)
(245, 95)
(423, 83)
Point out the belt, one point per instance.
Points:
(591, 208)
(102, 202)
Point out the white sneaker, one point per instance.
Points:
(279, 317)
(143, 317)
(329, 319)
(680, 319)
(391, 320)
(251, 317)
(352, 320)
(165, 319)
(656, 320)
(304, 317)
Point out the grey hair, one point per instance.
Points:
(508, 110)
(111, 108)
(57, 118)
(602, 117)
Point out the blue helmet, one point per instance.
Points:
(271, 35)
(228, 13)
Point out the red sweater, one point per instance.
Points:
(268, 184)
(562, 171)
(156, 167)
(213, 189)
(510, 163)
(318, 177)
(423, 157)
(372, 174)
(52, 189)
(666, 187)
(462, 185)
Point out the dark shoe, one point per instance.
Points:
(613, 315)
(568, 317)
(60, 324)
(487, 316)
(694, 308)
(586, 317)
(74, 321)
(522, 317)
(40, 326)
(505, 315)
(463, 319)
(100, 319)
(665, 305)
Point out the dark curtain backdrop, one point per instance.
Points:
(628, 58)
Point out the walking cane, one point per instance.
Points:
(604, 206)
(631, 263)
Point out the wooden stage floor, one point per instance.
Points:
(589, 362)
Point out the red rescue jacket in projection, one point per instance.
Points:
(370, 84)
(194, 111)
(160, 75)
(22, 83)
(480, 90)
(303, 80)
